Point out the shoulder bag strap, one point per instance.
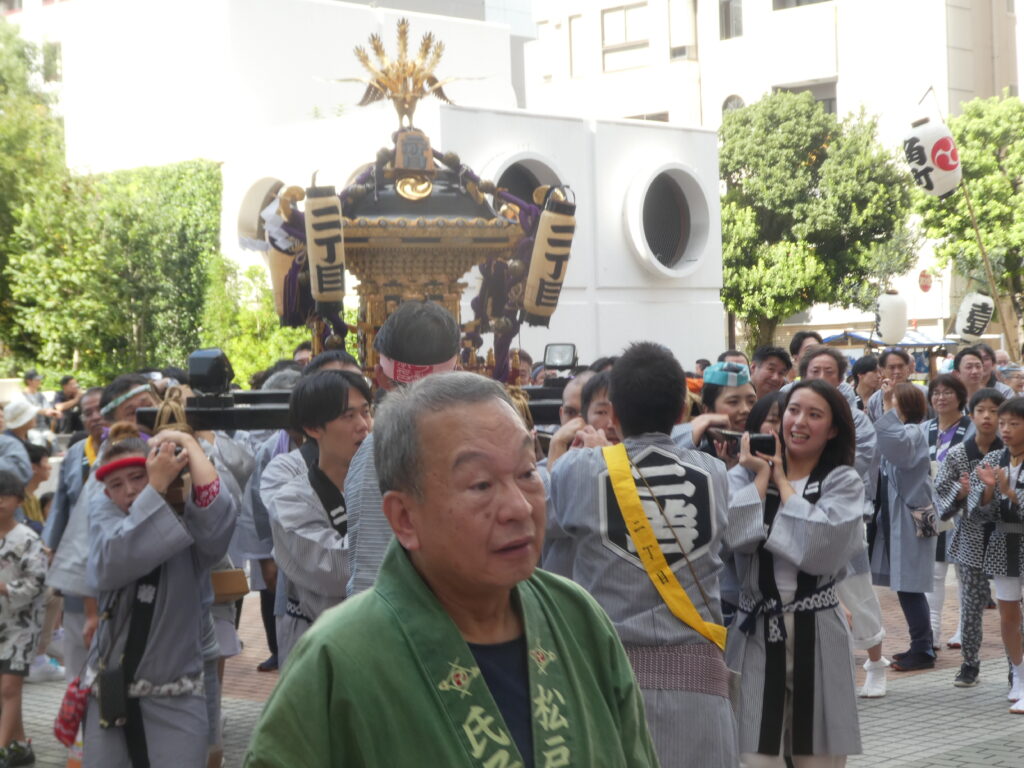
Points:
(649, 551)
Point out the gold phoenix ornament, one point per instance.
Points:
(403, 80)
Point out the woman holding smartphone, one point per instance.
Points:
(793, 644)
(727, 398)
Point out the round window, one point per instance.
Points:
(666, 220)
(519, 180)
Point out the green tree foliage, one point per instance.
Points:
(31, 146)
(109, 271)
(814, 211)
(989, 135)
(240, 319)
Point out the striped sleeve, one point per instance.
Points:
(817, 536)
(369, 533)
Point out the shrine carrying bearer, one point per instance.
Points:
(463, 653)
(646, 520)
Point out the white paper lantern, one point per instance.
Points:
(891, 317)
(933, 157)
(974, 316)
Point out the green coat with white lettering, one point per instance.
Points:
(385, 678)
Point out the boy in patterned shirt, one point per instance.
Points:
(22, 573)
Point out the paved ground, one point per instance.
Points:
(245, 690)
(924, 722)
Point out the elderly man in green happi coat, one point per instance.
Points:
(463, 653)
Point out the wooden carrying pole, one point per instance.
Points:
(1007, 314)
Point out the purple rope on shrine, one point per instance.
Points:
(296, 225)
(298, 303)
(495, 286)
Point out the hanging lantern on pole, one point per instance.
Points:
(325, 248)
(550, 259)
(933, 157)
(891, 318)
(974, 316)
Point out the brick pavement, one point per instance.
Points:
(245, 690)
(924, 722)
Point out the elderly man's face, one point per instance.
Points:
(480, 524)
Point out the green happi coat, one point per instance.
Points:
(386, 679)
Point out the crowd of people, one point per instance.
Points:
(678, 573)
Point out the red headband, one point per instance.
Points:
(116, 464)
(404, 373)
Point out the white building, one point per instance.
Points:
(148, 82)
(686, 62)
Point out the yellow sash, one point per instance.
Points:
(648, 549)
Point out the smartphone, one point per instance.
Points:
(763, 443)
(727, 436)
(759, 443)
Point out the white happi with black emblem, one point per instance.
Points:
(685, 522)
(594, 549)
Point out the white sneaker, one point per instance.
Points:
(1017, 688)
(56, 647)
(44, 670)
(874, 683)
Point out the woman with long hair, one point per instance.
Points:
(793, 646)
(900, 558)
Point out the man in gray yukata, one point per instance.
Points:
(418, 339)
(308, 517)
(681, 673)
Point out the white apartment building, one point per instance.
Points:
(688, 61)
(147, 82)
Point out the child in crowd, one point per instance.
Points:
(997, 495)
(44, 668)
(969, 536)
(150, 564)
(22, 572)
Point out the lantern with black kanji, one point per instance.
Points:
(550, 259)
(325, 248)
(974, 316)
(933, 157)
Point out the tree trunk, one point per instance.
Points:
(761, 333)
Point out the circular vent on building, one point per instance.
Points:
(519, 180)
(666, 220)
